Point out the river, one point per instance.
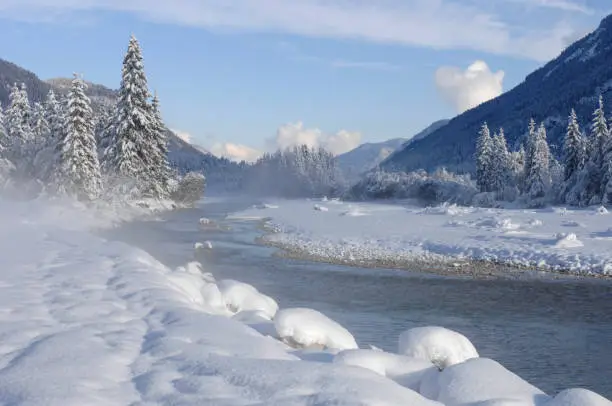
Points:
(555, 334)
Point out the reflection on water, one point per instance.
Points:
(554, 334)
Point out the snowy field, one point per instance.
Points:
(85, 321)
(559, 239)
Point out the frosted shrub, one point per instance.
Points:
(190, 189)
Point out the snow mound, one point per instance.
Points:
(601, 210)
(571, 223)
(318, 207)
(535, 223)
(301, 327)
(239, 297)
(578, 397)
(265, 206)
(406, 371)
(199, 246)
(441, 346)
(480, 381)
(567, 240)
(353, 212)
(448, 210)
(205, 221)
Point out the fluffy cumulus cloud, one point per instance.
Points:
(465, 89)
(235, 152)
(293, 134)
(485, 26)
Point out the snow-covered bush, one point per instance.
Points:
(441, 186)
(190, 189)
(441, 346)
(304, 328)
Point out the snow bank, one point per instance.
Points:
(441, 346)
(400, 236)
(406, 371)
(578, 397)
(85, 321)
(480, 381)
(240, 297)
(309, 328)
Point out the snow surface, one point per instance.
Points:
(440, 346)
(85, 321)
(364, 233)
(308, 327)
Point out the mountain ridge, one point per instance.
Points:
(574, 79)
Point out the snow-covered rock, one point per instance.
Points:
(406, 371)
(240, 297)
(578, 397)
(303, 327)
(441, 346)
(480, 381)
(205, 221)
(567, 240)
(318, 207)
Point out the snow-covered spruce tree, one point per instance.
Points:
(6, 166)
(500, 169)
(529, 144)
(517, 167)
(595, 151)
(606, 179)
(159, 167)
(538, 179)
(484, 156)
(4, 140)
(131, 152)
(80, 169)
(574, 155)
(18, 127)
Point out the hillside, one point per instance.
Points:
(182, 155)
(367, 156)
(573, 80)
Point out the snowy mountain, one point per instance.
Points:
(367, 156)
(574, 79)
(182, 155)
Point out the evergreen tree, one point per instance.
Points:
(40, 126)
(595, 149)
(133, 121)
(6, 166)
(529, 146)
(80, 169)
(160, 168)
(54, 115)
(18, 122)
(500, 168)
(105, 138)
(538, 179)
(484, 156)
(573, 148)
(4, 139)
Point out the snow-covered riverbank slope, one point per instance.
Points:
(574, 241)
(85, 321)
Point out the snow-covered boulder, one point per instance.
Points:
(205, 221)
(567, 240)
(300, 327)
(201, 246)
(601, 210)
(257, 320)
(578, 397)
(441, 346)
(480, 381)
(406, 371)
(318, 207)
(198, 287)
(240, 297)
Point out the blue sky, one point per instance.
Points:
(243, 76)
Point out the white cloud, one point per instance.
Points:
(465, 89)
(235, 152)
(564, 5)
(293, 134)
(440, 24)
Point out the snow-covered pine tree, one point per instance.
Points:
(160, 168)
(18, 122)
(517, 167)
(606, 176)
(594, 166)
(501, 166)
(6, 166)
(80, 169)
(133, 122)
(105, 137)
(4, 140)
(484, 156)
(574, 155)
(529, 143)
(538, 179)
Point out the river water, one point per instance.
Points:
(555, 334)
